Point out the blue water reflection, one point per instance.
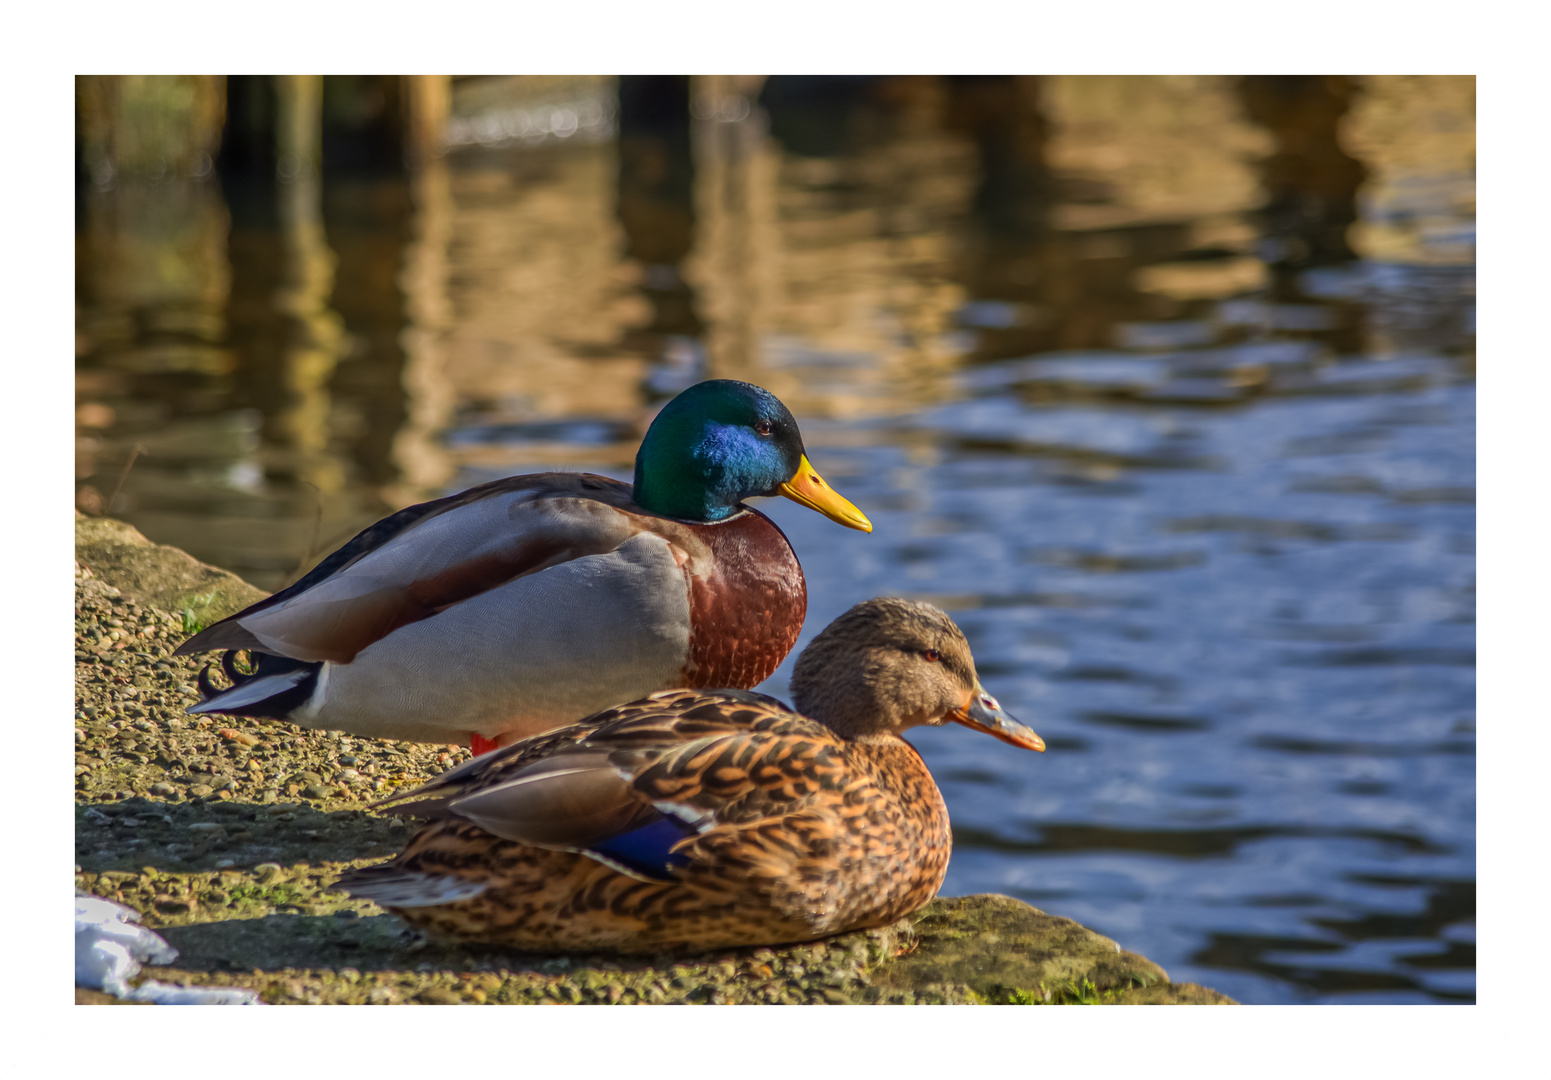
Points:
(1249, 641)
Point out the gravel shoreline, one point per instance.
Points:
(226, 833)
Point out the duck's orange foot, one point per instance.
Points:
(481, 745)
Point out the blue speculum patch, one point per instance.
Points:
(647, 850)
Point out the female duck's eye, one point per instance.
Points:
(763, 427)
(933, 655)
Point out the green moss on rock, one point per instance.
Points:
(997, 950)
(157, 574)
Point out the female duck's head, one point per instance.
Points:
(888, 665)
(722, 441)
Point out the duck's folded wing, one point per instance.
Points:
(633, 786)
(577, 801)
(425, 566)
(702, 759)
(780, 766)
(570, 802)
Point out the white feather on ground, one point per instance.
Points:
(110, 947)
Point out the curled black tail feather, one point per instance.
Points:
(207, 689)
(277, 706)
(229, 665)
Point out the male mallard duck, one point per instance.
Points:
(530, 602)
(707, 820)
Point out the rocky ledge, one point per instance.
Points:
(228, 833)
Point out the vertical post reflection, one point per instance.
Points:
(656, 210)
(735, 207)
(1310, 181)
(423, 464)
(312, 333)
(1310, 184)
(152, 282)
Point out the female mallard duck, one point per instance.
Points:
(530, 602)
(707, 820)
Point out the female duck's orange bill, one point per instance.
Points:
(984, 713)
(808, 489)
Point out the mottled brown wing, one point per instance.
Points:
(678, 752)
(767, 768)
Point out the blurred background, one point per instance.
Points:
(1162, 386)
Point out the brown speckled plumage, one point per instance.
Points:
(779, 827)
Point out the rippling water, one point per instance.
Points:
(1251, 653)
(1188, 454)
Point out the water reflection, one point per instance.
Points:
(1162, 385)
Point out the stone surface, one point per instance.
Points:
(999, 950)
(228, 833)
(156, 574)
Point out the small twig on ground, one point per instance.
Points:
(107, 506)
(312, 543)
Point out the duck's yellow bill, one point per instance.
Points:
(809, 489)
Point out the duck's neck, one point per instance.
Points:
(687, 498)
(878, 739)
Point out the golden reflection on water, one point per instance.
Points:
(292, 368)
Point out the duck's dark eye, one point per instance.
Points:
(763, 427)
(932, 655)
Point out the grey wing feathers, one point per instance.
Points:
(230, 634)
(568, 801)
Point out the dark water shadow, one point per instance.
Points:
(1192, 843)
(1254, 952)
(1449, 902)
(1148, 725)
(1353, 748)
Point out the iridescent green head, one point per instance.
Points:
(721, 442)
